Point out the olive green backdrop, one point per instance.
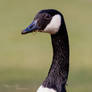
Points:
(25, 60)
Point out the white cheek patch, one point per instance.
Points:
(44, 89)
(54, 25)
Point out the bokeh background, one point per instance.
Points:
(25, 60)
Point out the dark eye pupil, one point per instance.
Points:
(48, 16)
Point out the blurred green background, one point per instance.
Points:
(25, 60)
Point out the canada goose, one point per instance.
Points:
(51, 21)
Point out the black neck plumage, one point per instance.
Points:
(58, 73)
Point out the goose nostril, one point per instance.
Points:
(31, 26)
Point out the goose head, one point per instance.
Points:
(48, 21)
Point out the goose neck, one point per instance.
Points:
(58, 73)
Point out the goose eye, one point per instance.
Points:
(47, 16)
